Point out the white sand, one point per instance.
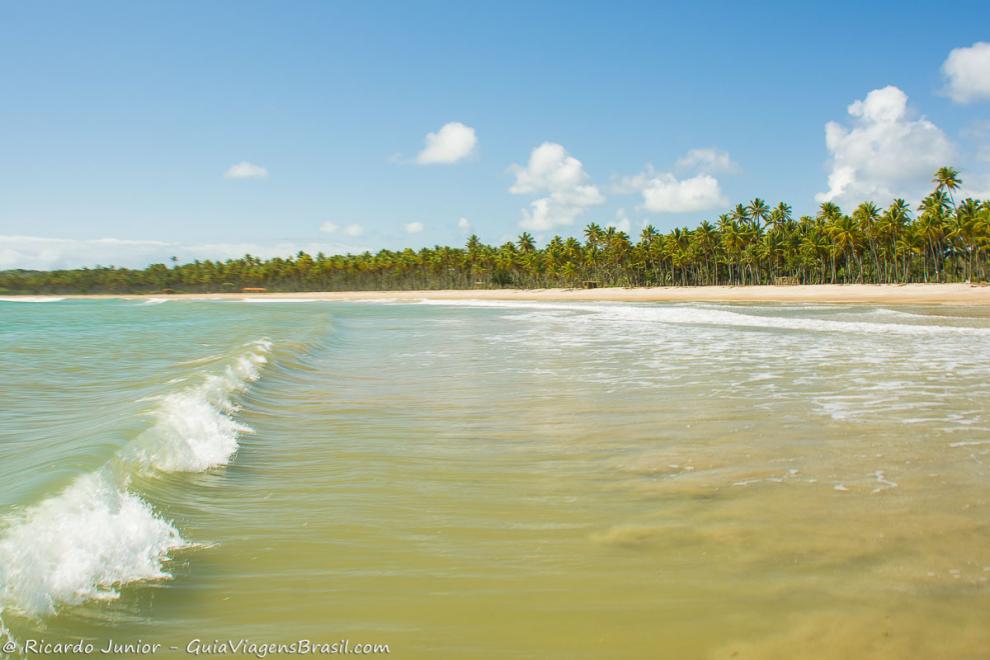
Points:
(905, 294)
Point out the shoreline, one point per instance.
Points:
(906, 294)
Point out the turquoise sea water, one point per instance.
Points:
(523, 480)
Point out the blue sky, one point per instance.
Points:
(119, 120)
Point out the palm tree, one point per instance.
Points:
(758, 210)
(749, 244)
(780, 215)
(947, 179)
(931, 228)
(866, 216)
(526, 242)
(740, 214)
(829, 211)
(593, 235)
(846, 239)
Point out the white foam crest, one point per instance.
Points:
(82, 544)
(279, 300)
(30, 299)
(512, 304)
(155, 301)
(696, 315)
(688, 315)
(899, 313)
(194, 430)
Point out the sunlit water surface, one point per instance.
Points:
(499, 480)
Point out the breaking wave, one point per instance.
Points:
(95, 536)
(684, 315)
(81, 544)
(194, 429)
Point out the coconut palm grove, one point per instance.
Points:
(942, 240)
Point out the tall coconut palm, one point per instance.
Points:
(758, 210)
(846, 241)
(866, 216)
(946, 179)
(829, 211)
(749, 244)
(740, 214)
(780, 215)
(526, 242)
(931, 227)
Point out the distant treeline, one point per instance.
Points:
(940, 241)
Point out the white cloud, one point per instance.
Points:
(453, 142)
(464, 224)
(544, 214)
(622, 222)
(886, 153)
(246, 170)
(35, 252)
(633, 183)
(329, 228)
(354, 230)
(707, 161)
(665, 193)
(414, 227)
(967, 73)
(561, 177)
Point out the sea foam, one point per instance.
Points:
(79, 545)
(95, 536)
(194, 429)
(30, 299)
(710, 316)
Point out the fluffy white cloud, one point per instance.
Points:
(568, 191)
(453, 142)
(464, 224)
(622, 222)
(885, 153)
(967, 73)
(329, 228)
(544, 214)
(707, 161)
(414, 227)
(245, 170)
(665, 193)
(354, 230)
(34, 252)
(551, 169)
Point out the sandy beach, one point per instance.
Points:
(905, 294)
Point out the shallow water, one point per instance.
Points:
(523, 480)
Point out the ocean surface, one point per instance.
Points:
(498, 480)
